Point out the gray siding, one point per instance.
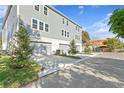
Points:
(10, 26)
(53, 19)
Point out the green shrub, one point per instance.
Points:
(72, 48)
(87, 50)
(22, 50)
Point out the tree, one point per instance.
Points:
(116, 22)
(72, 47)
(85, 37)
(87, 50)
(0, 43)
(113, 43)
(22, 49)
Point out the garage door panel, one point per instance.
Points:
(42, 48)
(64, 48)
(78, 48)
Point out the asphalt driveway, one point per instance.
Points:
(100, 72)
(95, 72)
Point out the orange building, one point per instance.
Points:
(98, 45)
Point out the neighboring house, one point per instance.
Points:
(49, 29)
(98, 45)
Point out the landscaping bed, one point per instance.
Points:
(13, 78)
(71, 56)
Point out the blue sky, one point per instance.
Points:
(2, 14)
(93, 19)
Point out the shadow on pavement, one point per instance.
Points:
(91, 73)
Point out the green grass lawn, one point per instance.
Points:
(10, 77)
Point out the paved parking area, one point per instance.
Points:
(112, 55)
(95, 72)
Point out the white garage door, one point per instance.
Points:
(42, 47)
(64, 48)
(78, 48)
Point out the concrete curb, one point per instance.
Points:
(50, 71)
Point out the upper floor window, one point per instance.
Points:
(41, 25)
(34, 23)
(67, 23)
(45, 10)
(76, 27)
(36, 7)
(63, 20)
(67, 34)
(62, 32)
(46, 27)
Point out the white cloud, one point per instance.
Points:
(108, 15)
(80, 7)
(95, 6)
(100, 29)
(81, 11)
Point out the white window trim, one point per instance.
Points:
(62, 32)
(36, 10)
(48, 27)
(67, 22)
(32, 23)
(78, 29)
(65, 33)
(68, 34)
(63, 20)
(47, 10)
(39, 25)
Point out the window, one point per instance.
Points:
(40, 25)
(63, 21)
(62, 32)
(45, 10)
(67, 23)
(76, 27)
(36, 7)
(46, 27)
(67, 34)
(34, 23)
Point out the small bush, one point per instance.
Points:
(87, 50)
(64, 53)
(72, 48)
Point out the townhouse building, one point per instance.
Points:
(49, 29)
